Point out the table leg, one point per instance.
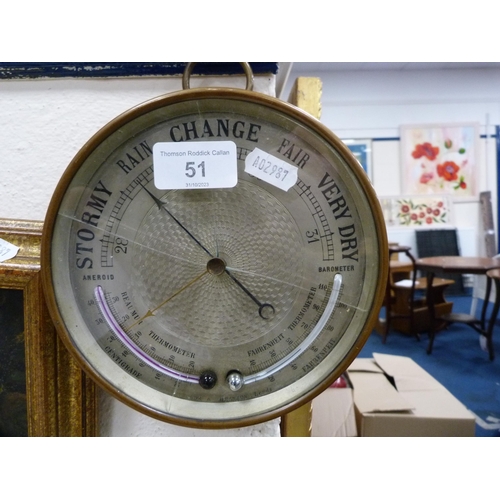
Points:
(432, 313)
(485, 303)
(491, 325)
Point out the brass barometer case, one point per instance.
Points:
(216, 303)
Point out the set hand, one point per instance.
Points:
(266, 311)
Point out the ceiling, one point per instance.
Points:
(391, 66)
(307, 68)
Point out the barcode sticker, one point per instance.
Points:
(270, 169)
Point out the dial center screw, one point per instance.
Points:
(216, 266)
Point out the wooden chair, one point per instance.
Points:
(408, 297)
(407, 269)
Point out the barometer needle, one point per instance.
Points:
(161, 206)
(265, 310)
(262, 307)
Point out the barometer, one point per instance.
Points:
(214, 257)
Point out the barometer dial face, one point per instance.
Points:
(211, 306)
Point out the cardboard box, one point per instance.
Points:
(394, 396)
(333, 413)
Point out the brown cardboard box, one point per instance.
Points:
(333, 413)
(418, 405)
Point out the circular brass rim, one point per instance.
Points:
(227, 94)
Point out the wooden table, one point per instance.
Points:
(459, 265)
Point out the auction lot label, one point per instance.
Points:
(195, 165)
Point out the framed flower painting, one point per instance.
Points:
(440, 159)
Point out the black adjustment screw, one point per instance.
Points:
(208, 379)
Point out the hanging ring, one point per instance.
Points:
(189, 68)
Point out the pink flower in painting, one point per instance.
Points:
(426, 149)
(426, 177)
(428, 220)
(405, 208)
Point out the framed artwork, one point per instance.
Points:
(42, 390)
(426, 211)
(362, 151)
(440, 159)
(31, 70)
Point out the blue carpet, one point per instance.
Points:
(457, 362)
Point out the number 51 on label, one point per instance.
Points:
(191, 171)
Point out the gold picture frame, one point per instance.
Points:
(60, 398)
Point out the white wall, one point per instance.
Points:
(44, 122)
(374, 104)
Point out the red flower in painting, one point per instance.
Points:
(448, 170)
(426, 149)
